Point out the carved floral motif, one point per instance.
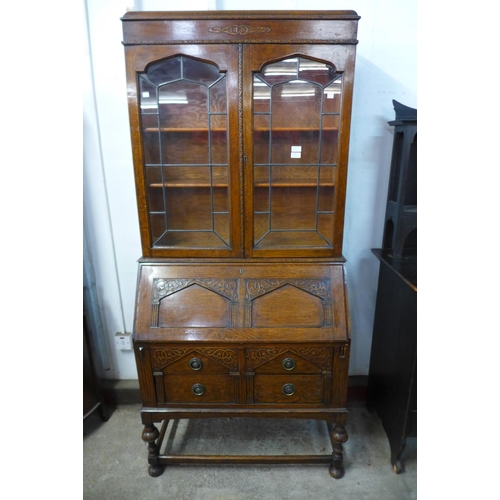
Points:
(239, 29)
(319, 287)
(164, 287)
(167, 356)
(319, 356)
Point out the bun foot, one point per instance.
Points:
(156, 470)
(336, 472)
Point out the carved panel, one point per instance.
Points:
(166, 356)
(319, 287)
(164, 287)
(227, 288)
(320, 356)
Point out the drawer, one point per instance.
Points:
(286, 389)
(198, 389)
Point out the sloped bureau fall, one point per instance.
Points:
(240, 133)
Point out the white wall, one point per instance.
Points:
(385, 70)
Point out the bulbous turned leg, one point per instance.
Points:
(339, 436)
(150, 435)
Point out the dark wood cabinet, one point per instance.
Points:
(240, 135)
(392, 382)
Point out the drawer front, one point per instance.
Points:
(194, 375)
(289, 361)
(198, 389)
(287, 389)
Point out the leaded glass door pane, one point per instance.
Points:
(184, 121)
(296, 117)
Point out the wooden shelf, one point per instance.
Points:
(187, 185)
(220, 130)
(169, 185)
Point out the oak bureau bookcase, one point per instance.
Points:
(240, 135)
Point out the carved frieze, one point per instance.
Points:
(239, 29)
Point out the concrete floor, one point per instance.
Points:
(115, 465)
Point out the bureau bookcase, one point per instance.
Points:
(240, 134)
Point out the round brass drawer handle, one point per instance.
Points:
(198, 389)
(288, 364)
(288, 389)
(195, 364)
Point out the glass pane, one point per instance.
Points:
(150, 139)
(184, 123)
(330, 139)
(189, 208)
(261, 138)
(158, 225)
(148, 96)
(281, 71)
(184, 128)
(260, 226)
(261, 96)
(332, 96)
(326, 189)
(325, 227)
(314, 71)
(218, 139)
(198, 71)
(164, 71)
(296, 120)
(154, 181)
(218, 102)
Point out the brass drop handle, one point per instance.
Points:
(195, 364)
(288, 364)
(288, 389)
(198, 389)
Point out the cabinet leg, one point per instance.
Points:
(150, 434)
(338, 436)
(396, 452)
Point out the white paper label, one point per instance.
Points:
(145, 94)
(296, 152)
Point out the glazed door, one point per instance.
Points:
(186, 161)
(295, 169)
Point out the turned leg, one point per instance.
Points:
(338, 436)
(150, 434)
